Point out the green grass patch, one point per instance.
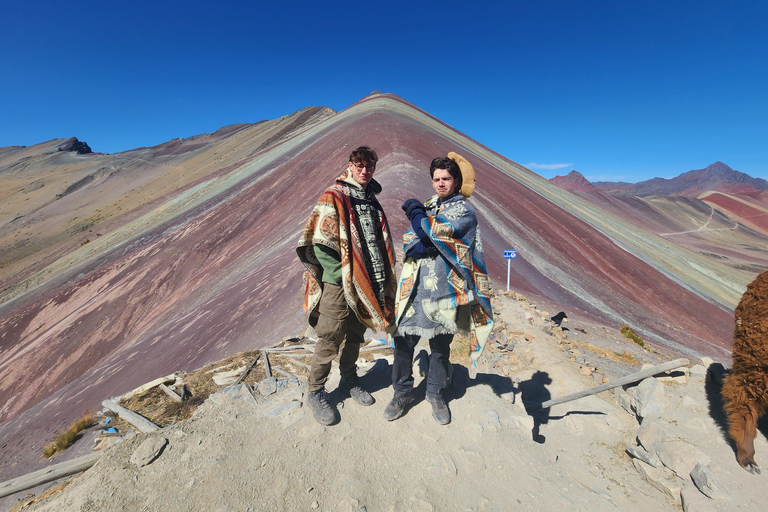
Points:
(631, 335)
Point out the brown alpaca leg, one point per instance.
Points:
(743, 432)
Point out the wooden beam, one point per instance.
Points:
(634, 377)
(294, 360)
(311, 348)
(48, 474)
(149, 385)
(137, 420)
(283, 372)
(168, 391)
(266, 364)
(239, 380)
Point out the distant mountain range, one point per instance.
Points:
(716, 177)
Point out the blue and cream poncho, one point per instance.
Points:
(449, 292)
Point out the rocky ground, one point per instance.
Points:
(656, 445)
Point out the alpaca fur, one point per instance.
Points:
(745, 392)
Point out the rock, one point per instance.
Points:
(676, 454)
(706, 482)
(698, 372)
(228, 377)
(241, 392)
(660, 478)
(490, 420)
(574, 424)
(287, 383)
(618, 421)
(283, 408)
(626, 402)
(676, 376)
(528, 336)
(639, 453)
(691, 404)
(647, 398)
(693, 501)
(268, 386)
(148, 451)
(585, 370)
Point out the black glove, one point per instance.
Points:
(412, 206)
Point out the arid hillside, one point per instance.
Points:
(117, 269)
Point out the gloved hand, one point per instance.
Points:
(412, 206)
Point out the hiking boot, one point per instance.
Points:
(440, 410)
(321, 409)
(396, 407)
(351, 386)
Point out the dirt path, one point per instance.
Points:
(244, 451)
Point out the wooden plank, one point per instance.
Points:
(240, 379)
(634, 377)
(294, 360)
(48, 474)
(311, 348)
(137, 420)
(283, 372)
(149, 385)
(168, 391)
(266, 364)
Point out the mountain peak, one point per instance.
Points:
(574, 181)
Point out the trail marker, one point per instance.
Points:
(509, 255)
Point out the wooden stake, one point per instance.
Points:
(137, 420)
(168, 391)
(266, 364)
(650, 372)
(238, 381)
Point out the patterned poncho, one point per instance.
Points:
(450, 292)
(349, 220)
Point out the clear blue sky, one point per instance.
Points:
(618, 90)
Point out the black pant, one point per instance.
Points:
(439, 364)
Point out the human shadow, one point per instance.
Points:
(534, 391)
(461, 380)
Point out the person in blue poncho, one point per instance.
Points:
(444, 287)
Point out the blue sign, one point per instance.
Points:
(510, 254)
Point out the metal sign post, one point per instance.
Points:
(509, 255)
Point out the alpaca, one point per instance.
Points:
(745, 392)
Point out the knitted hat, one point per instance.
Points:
(467, 174)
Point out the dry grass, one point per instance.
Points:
(68, 438)
(29, 502)
(623, 357)
(162, 410)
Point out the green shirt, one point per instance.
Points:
(331, 263)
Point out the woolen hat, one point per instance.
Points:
(467, 174)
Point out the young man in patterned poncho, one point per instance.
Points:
(444, 286)
(350, 280)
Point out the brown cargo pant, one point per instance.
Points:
(336, 324)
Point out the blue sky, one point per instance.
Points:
(618, 90)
